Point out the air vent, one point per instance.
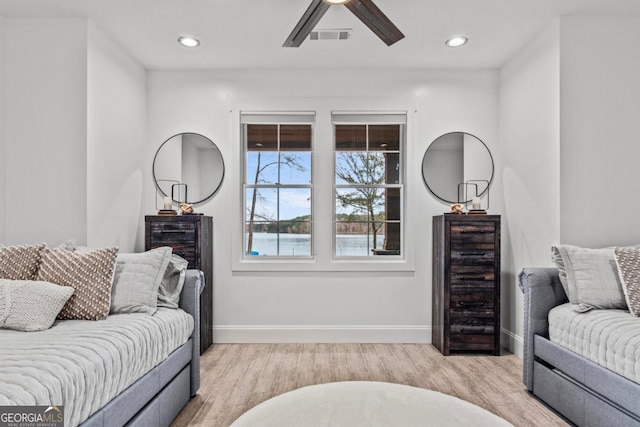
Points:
(330, 34)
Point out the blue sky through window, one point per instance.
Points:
(294, 202)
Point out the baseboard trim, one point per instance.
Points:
(512, 342)
(227, 334)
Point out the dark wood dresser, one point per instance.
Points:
(466, 283)
(191, 237)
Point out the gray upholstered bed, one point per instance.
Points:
(130, 369)
(587, 368)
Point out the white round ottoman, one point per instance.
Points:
(366, 403)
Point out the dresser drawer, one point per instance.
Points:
(186, 251)
(472, 342)
(472, 325)
(472, 303)
(472, 256)
(463, 277)
(172, 232)
(475, 235)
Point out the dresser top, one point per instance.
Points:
(476, 218)
(175, 218)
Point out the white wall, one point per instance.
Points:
(568, 105)
(600, 108)
(3, 158)
(116, 143)
(529, 125)
(320, 305)
(46, 130)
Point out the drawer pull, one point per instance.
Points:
(173, 232)
(472, 232)
(472, 278)
(462, 329)
(471, 303)
(472, 253)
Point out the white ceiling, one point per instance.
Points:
(250, 33)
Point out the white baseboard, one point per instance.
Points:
(259, 334)
(227, 334)
(512, 342)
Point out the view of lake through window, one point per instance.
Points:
(278, 191)
(367, 189)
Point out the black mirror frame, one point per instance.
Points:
(153, 167)
(493, 168)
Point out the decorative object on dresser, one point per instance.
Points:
(466, 283)
(191, 237)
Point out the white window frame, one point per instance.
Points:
(279, 119)
(323, 180)
(351, 118)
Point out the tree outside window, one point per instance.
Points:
(367, 190)
(278, 220)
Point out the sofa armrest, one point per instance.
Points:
(542, 291)
(190, 302)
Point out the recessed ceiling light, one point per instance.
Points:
(457, 41)
(336, 1)
(188, 41)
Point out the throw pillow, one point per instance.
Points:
(20, 262)
(137, 279)
(89, 274)
(592, 278)
(172, 282)
(628, 262)
(27, 305)
(562, 272)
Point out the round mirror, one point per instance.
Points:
(455, 158)
(191, 160)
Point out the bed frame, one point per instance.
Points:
(159, 396)
(583, 392)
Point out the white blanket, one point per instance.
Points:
(84, 364)
(610, 338)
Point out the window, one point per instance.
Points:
(368, 184)
(277, 185)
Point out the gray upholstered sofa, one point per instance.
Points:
(156, 399)
(583, 392)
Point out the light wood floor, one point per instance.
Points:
(236, 377)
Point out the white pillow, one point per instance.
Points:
(30, 305)
(137, 279)
(591, 277)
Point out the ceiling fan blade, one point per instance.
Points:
(309, 19)
(372, 17)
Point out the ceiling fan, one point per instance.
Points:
(365, 10)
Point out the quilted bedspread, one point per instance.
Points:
(610, 338)
(84, 364)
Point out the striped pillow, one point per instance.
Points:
(90, 274)
(628, 263)
(20, 262)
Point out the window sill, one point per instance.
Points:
(374, 264)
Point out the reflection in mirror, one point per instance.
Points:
(191, 159)
(455, 158)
